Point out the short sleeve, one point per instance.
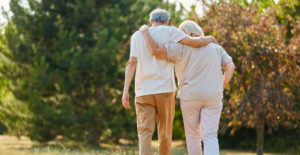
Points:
(134, 45)
(225, 58)
(176, 34)
(174, 51)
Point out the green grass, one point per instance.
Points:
(10, 145)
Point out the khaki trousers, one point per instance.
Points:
(147, 107)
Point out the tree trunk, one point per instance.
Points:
(93, 137)
(95, 131)
(260, 129)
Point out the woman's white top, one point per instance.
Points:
(198, 70)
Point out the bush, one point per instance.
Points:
(281, 140)
(3, 128)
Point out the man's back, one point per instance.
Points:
(154, 76)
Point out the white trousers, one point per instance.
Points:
(201, 122)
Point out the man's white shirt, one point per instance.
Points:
(154, 76)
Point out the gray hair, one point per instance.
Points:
(191, 28)
(159, 15)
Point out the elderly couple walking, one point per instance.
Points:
(198, 63)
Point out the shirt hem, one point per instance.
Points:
(201, 97)
(152, 93)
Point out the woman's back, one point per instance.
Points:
(199, 70)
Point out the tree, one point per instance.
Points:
(65, 60)
(265, 88)
(12, 112)
(286, 10)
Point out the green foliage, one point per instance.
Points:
(178, 126)
(3, 128)
(13, 114)
(62, 67)
(66, 59)
(287, 10)
(283, 140)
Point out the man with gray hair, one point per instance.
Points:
(155, 83)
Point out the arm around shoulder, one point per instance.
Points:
(198, 41)
(159, 52)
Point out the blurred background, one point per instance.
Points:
(62, 66)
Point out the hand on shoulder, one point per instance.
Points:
(144, 28)
(212, 39)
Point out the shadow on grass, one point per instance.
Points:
(73, 148)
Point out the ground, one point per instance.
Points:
(10, 145)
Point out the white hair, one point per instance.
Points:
(191, 28)
(159, 15)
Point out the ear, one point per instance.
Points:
(167, 21)
(150, 21)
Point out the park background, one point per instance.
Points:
(62, 66)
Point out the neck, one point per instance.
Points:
(156, 24)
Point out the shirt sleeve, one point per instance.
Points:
(225, 57)
(176, 34)
(134, 45)
(174, 51)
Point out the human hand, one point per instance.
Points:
(125, 100)
(212, 39)
(144, 28)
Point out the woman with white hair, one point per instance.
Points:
(201, 83)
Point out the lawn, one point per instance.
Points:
(10, 145)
